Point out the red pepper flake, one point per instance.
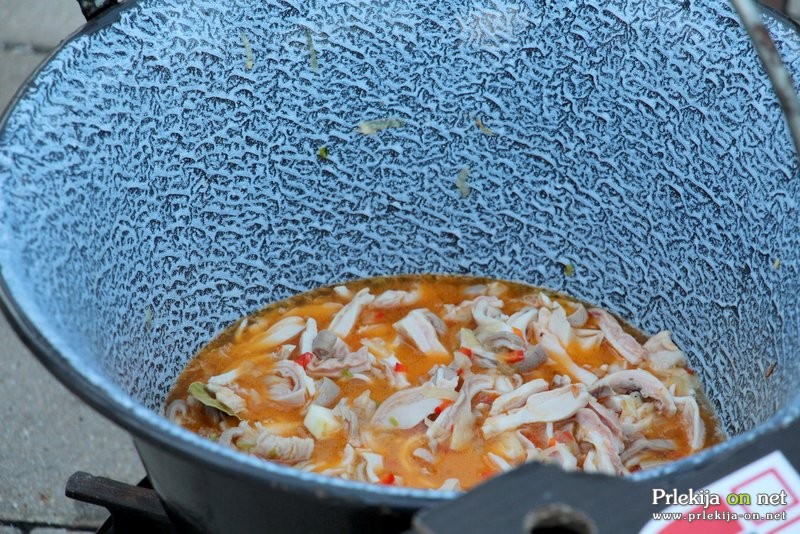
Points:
(459, 372)
(690, 371)
(552, 442)
(466, 351)
(486, 473)
(442, 406)
(399, 368)
(304, 359)
(387, 478)
(516, 356)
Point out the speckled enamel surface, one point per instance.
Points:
(153, 188)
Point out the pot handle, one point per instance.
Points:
(92, 8)
(750, 15)
(788, 8)
(537, 498)
(541, 498)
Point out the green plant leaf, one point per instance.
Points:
(198, 391)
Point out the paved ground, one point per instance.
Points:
(47, 432)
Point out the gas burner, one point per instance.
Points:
(133, 509)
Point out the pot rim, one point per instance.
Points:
(142, 423)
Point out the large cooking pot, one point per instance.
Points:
(160, 177)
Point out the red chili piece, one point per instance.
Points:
(304, 359)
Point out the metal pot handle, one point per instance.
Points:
(782, 83)
(788, 8)
(92, 8)
(538, 498)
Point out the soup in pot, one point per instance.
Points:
(439, 382)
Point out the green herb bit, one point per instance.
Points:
(347, 373)
(374, 126)
(569, 269)
(393, 421)
(483, 127)
(461, 181)
(198, 391)
(312, 52)
(249, 58)
(322, 153)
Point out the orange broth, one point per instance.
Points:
(235, 348)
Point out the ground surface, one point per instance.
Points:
(47, 432)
